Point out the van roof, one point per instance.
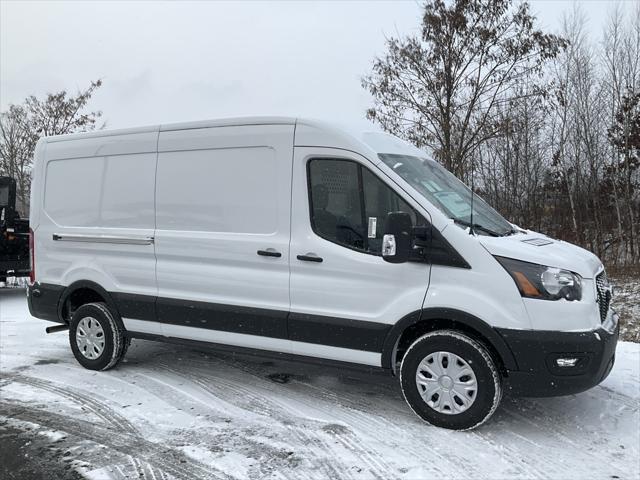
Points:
(309, 132)
(220, 122)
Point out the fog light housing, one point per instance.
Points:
(569, 363)
(566, 362)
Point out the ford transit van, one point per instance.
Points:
(292, 236)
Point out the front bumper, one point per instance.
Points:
(536, 353)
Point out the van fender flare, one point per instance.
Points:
(456, 316)
(88, 284)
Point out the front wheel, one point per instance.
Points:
(450, 380)
(97, 340)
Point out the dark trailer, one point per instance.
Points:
(14, 234)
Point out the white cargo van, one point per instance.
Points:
(292, 236)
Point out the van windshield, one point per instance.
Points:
(447, 193)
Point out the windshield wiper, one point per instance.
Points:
(476, 226)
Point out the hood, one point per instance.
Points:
(538, 248)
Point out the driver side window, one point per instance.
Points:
(349, 204)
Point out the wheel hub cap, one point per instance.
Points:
(90, 338)
(446, 382)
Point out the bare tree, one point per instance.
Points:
(442, 89)
(22, 125)
(624, 135)
(621, 79)
(576, 120)
(513, 167)
(17, 144)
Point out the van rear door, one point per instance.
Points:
(222, 234)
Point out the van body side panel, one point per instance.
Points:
(96, 210)
(223, 200)
(485, 291)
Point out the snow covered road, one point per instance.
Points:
(176, 412)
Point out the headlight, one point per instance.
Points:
(542, 282)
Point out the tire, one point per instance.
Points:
(438, 399)
(107, 338)
(125, 347)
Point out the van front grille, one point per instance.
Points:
(604, 295)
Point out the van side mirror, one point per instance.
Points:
(396, 243)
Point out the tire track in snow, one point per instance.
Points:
(377, 468)
(165, 390)
(274, 410)
(527, 467)
(357, 410)
(230, 393)
(165, 459)
(353, 413)
(161, 387)
(633, 404)
(327, 463)
(359, 416)
(552, 431)
(109, 416)
(550, 425)
(270, 409)
(361, 420)
(91, 403)
(374, 422)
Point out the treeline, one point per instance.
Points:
(567, 163)
(548, 125)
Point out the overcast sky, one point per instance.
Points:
(172, 61)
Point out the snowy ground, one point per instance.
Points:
(627, 303)
(175, 412)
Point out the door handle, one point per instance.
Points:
(310, 257)
(269, 253)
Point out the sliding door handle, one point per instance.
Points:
(310, 257)
(270, 252)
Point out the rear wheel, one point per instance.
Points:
(97, 340)
(450, 380)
